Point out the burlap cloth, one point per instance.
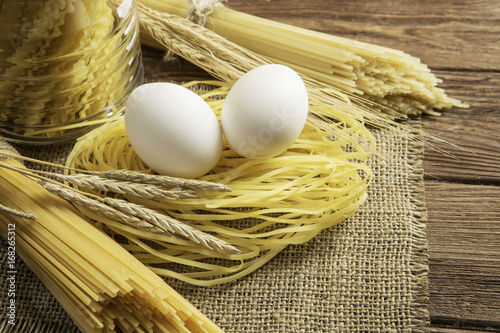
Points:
(368, 274)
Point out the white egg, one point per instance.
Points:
(173, 130)
(265, 111)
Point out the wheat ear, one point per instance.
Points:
(171, 225)
(139, 217)
(125, 187)
(97, 207)
(15, 212)
(199, 45)
(161, 180)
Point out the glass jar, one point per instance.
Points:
(65, 65)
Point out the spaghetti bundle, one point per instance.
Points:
(64, 65)
(378, 77)
(288, 199)
(99, 284)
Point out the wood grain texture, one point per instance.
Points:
(434, 329)
(464, 248)
(443, 34)
(475, 130)
(175, 69)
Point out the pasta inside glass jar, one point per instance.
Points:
(65, 66)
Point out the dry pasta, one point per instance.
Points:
(64, 65)
(288, 199)
(389, 78)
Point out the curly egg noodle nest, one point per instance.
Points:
(320, 181)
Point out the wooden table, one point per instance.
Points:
(460, 41)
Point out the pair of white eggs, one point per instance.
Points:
(176, 133)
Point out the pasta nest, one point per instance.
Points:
(320, 181)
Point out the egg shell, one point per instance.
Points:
(265, 111)
(173, 130)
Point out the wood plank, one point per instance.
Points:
(444, 34)
(453, 330)
(176, 69)
(464, 254)
(476, 130)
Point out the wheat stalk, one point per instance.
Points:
(17, 213)
(161, 180)
(99, 208)
(149, 191)
(171, 225)
(199, 45)
(139, 217)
